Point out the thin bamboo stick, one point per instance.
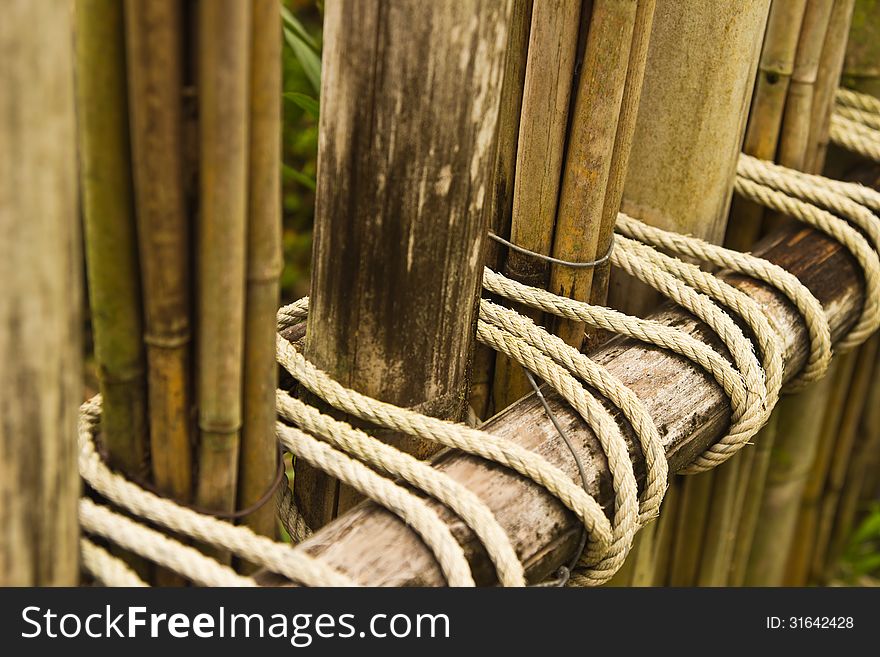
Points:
(751, 492)
(768, 105)
(827, 82)
(798, 430)
(264, 263)
(840, 459)
(153, 40)
(655, 570)
(588, 158)
(793, 140)
(110, 232)
(546, 97)
(867, 444)
(798, 565)
(500, 203)
(693, 509)
(223, 64)
(41, 304)
(721, 523)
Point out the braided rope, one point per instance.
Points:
(856, 100)
(855, 137)
(107, 569)
(867, 119)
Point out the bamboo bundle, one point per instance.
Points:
(223, 65)
(796, 121)
(110, 232)
(827, 82)
(768, 105)
(264, 264)
(40, 307)
(790, 462)
(153, 41)
(751, 489)
(552, 48)
(804, 533)
(500, 204)
(582, 216)
(840, 460)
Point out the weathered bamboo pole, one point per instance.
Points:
(768, 105)
(40, 307)
(553, 41)
(264, 263)
(500, 203)
(111, 233)
(223, 34)
(402, 192)
(153, 41)
(375, 547)
(799, 426)
(592, 134)
(840, 459)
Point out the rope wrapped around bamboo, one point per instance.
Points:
(752, 382)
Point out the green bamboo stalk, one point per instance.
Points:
(500, 202)
(153, 40)
(553, 40)
(751, 492)
(798, 566)
(798, 430)
(592, 134)
(110, 232)
(264, 264)
(223, 52)
(824, 552)
(768, 105)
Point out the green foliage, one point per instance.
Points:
(302, 83)
(862, 556)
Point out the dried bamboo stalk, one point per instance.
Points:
(153, 40)
(768, 105)
(223, 64)
(588, 157)
(546, 97)
(840, 459)
(798, 430)
(110, 233)
(827, 82)
(751, 492)
(41, 304)
(500, 203)
(723, 518)
(693, 509)
(862, 61)
(798, 564)
(264, 262)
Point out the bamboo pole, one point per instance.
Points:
(500, 203)
(224, 28)
(553, 40)
(867, 444)
(798, 430)
(797, 568)
(827, 82)
(751, 486)
(592, 134)
(402, 191)
(840, 459)
(375, 548)
(153, 40)
(768, 105)
(40, 307)
(264, 263)
(862, 61)
(110, 233)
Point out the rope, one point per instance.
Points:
(855, 137)
(106, 568)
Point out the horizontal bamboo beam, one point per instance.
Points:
(375, 548)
